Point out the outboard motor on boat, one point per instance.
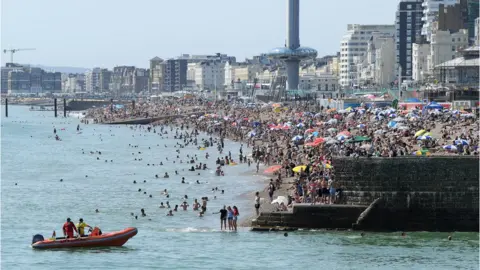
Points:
(37, 238)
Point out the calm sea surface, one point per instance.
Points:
(40, 203)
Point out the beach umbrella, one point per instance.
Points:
(273, 169)
(315, 133)
(346, 133)
(252, 134)
(318, 115)
(349, 109)
(350, 115)
(310, 130)
(392, 115)
(280, 200)
(422, 152)
(380, 131)
(342, 137)
(312, 144)
(467, 115)
(434, 105)
(301, 125)
(359, 139)
(299, 168)
(450, 148)
(297, 138)
(193, 115)
(327, 166)
(332, 130)
(319, 140)
(420, 132)
(331, 110)
(331, 141)
(462, 142)
(424, 137)
(403, 127)
(392, 124)
(361, 126)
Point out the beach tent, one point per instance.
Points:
(434, 105)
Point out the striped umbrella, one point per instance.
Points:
(423, 138)
(462, 142)
(450, 148)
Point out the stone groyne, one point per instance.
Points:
(438, 193)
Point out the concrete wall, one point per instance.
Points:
(434, 193)
(312, 216)
(410, 194)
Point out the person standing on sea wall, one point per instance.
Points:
(257, 203)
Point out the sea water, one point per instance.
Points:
(32, 159)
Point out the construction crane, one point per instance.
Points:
(12, 51)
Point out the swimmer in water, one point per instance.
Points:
(166, 175)
(170, 213)
(161, 205)
(184, 206)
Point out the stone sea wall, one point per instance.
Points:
(395, 194)
(432, 193)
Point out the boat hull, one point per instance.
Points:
(113, 239)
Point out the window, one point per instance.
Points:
(409, 45)
(409, 39)
(453, 39)
(409, 6)
(453, 48)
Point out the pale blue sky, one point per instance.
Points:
(105, 33)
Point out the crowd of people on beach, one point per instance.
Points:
(297, 142)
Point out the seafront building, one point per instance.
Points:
(209, 75)
(408, 24)
(430, 14)
(354, 45)
(175, 75)
(92, 80)
(377, 66)
(17, 79)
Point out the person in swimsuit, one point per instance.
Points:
(204, 205)
(257, 203)
(230, 218)
(235, 217)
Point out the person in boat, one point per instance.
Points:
(81, 227)
(68, 228)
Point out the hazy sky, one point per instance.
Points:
(105, 33)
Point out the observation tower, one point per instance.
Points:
(292, 53)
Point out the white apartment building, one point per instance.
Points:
(191, 67)
(430, 14)
(354, 45)
(477, 31)
(210, 75)
(92, 80)
(420, 53)
(377, 67)
(385, 62)
(444, 46)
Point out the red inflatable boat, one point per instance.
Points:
(113, 239)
